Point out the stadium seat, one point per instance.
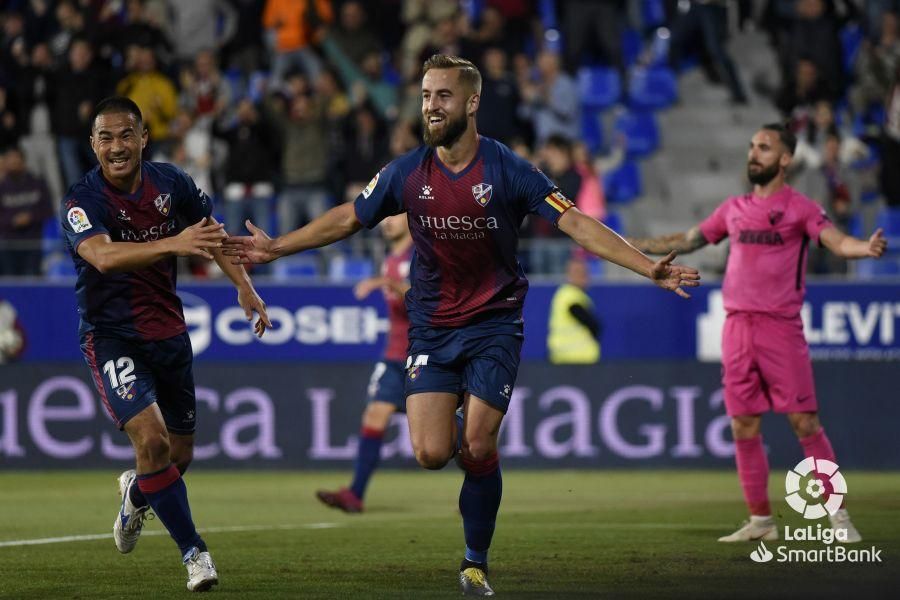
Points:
(614, 222)
(51, 237)
(595, 267)
(640, 131)
(652, 87)
(58, 265)
(851, 40)
(889, 220)
(653, 13)
(291, 268)
(600, 87)
(887, 266)
(632, 45)
(623, 184)
(592, 130)
(347, 268)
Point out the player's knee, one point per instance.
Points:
(744, 427)
(432, 459)
(805, 424)
(182, 456)
(478, 450)
(153, 448)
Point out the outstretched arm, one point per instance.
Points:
(597, 238)
(847, 246)
(338, 223)
(108, 256)
(248, 299)
(682, 243)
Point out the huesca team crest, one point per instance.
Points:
(483, 193)
(163, 204)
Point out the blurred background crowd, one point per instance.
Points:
(280, 109)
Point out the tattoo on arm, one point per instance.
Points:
(682, 243)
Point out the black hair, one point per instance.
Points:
(785, 134)
(116, 104)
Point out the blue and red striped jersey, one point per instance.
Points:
(465, 227)
(139, 305)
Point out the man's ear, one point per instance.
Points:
(474, 102)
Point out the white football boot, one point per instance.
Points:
(201, 570)
(840, 521)
(130, 520)
(755, 529)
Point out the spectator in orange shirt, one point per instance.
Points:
(294, 27)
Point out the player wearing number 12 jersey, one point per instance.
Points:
(465, 197)
(124, 223)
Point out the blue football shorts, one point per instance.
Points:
(387, 384)
(131, 375)
(480, 358)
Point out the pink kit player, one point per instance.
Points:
(764, 354)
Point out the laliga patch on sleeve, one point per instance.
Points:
(78, 219)
(371, 187)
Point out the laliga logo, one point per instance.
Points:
(811, 475)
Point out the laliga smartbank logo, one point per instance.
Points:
(815, 489)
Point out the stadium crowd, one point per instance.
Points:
(283, 108)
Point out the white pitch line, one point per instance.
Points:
(106, 536)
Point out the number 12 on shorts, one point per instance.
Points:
(125, 367)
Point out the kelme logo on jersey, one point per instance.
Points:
(78, 219)
(163, 204)
(426, 193)
(483, 193)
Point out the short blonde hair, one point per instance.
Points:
(468, 72)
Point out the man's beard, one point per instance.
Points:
(764, 175)
(452, 131)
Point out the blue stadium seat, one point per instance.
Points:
(547, 14)
(344, 268)
(623, 184)
(592, 130)
(851, 40)
(886, 266)
(58, 265)
(51, 237)
(600, 87)
(596, 267)
(640, 131)
(292, 268)
(652, 88)
(614, 222)
(653, 13)
(889, 220)
(632, 45)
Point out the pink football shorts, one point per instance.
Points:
(765, 365)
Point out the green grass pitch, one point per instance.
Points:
(561, 534)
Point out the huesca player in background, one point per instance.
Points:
(125, 222)
(386, 386)
(465, 197)
(765, 358)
